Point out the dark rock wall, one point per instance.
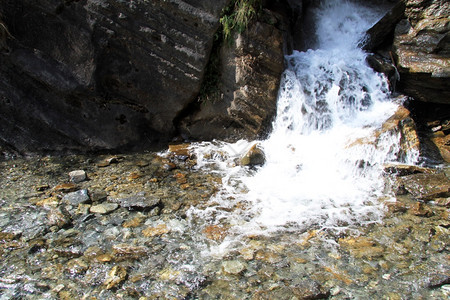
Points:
(100, 74)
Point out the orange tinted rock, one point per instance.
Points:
(180, 149)
(360, 247)
(155, 231)
(421, 210)
(215, 232)
(65, 187)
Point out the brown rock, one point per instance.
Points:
(6, 236)
(362, 247)
(402, 122)
(403, 170)
(48, 202)
(426, 186)
(65, 187)
(420, 209)
(77, 266)
(395, 207)
(442, 201)
(421, 46)
(125, 251)
(115, 276)
(180, 149)
(58, 217)
(155, 231)
(243, 102)
(443, 144)
(135, 222)
(268, 256)
(215, 232)
(254, 157)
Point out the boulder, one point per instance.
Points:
(254, 157)
(402, 123)
(426, 186)
(421, 48)
(77, 176)
(90, 75)
(78, 197)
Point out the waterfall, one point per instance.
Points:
(325, 155)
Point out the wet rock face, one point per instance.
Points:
(422, 48)
(107, 74)
(250, 70)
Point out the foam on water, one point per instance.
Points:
(324, 157)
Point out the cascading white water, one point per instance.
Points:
(324, 160)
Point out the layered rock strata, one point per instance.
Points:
(100, 74)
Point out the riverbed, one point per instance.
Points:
(126, 232)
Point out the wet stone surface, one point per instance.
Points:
(126, 232)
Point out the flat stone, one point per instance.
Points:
(125, 251)
(78, 197)
(155, 231)
(402, 170)
(442, 201)
(427, 186)
(77, 176)
(362, 247)
(233, 267)
(103, 208)
(180, 149)
(137, 201)
(65, 187)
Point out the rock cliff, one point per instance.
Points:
(417, 33)
(100, 74)
(243, 101)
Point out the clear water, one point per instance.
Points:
(324, 160)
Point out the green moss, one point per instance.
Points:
(237, 16)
